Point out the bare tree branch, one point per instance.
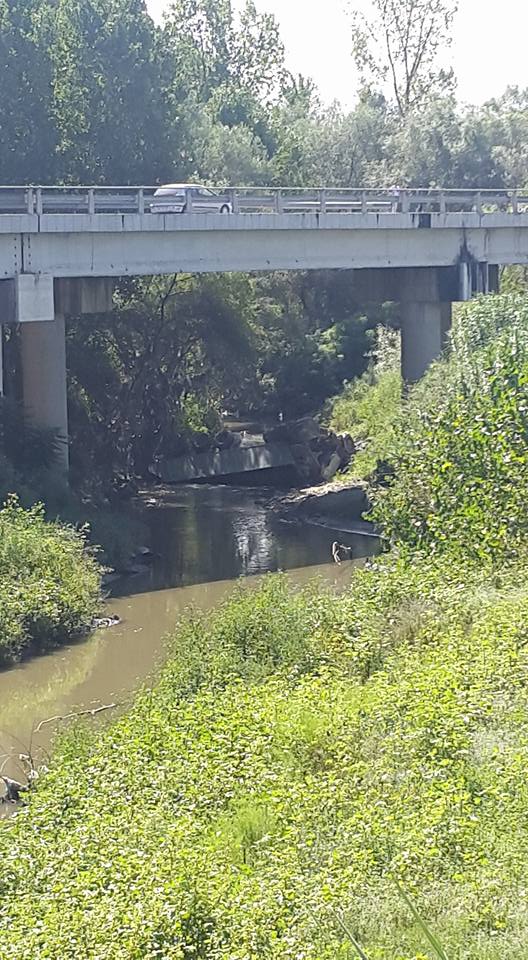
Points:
(80, 713)
(415, 33)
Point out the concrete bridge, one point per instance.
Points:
(60, 249)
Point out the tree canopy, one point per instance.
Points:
(400, 43)
(96, 91)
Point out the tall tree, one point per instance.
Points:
(214, 50)
(28, 136)
(506, 122)
(111, 103)
(400, 45)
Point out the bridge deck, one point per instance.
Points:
(112, 245)
(13, 223)
(115, 231)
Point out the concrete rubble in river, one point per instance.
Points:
(315, 454)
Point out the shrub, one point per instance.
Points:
(460, 453)
(49, 584)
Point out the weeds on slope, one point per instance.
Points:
(300, 753)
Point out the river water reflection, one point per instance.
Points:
(204, 539)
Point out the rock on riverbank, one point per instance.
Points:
(332, 505)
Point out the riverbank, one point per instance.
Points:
(299, 752)
(49, 582)
(338, 505)
(203, 539)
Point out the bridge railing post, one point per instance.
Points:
(363, 202)
(322, 201)
(278, 202)
(91, 200)
(188, 201)
(234, 200)
(442, 202)
(30, 200)
(140, 201)
(515, 202)
(39, 201)
(404, 201)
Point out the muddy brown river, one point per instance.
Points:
(204, 538)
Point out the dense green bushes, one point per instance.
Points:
(49, 584)
(460, 453)
(299, 755)
(455, 449)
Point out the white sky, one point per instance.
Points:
(488, 52)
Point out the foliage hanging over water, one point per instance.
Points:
(176, 350)
(49, 583)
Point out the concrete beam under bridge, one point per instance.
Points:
(81, 295)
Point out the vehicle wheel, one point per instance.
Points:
(225, 208)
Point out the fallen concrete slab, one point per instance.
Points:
(222, 463)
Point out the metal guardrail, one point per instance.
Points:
(273, 200)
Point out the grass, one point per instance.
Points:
(49, 583)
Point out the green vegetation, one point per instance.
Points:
(369, 407)
(311, 777)
(100, 93)
(177, 350)
(314, 775)
(460, 455)
(27, 467)
(299, 756)
(49, 583)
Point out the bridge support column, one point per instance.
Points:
(41, 304)
(43, 349)
(426, 320)
(424, 331)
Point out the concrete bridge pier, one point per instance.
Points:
(425, 326)
(40, 305)
(426, 319)
(43, 353)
